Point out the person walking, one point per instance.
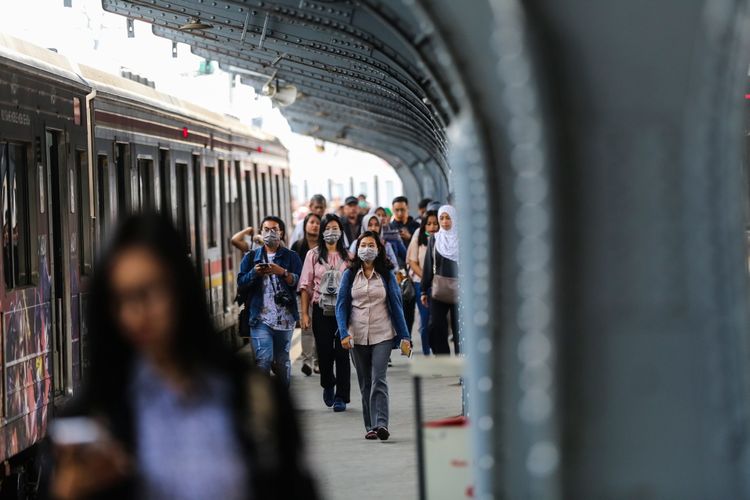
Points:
(350, 223)
(318, 206)
(371, 222)
(174, 412)
(309, 240)
(271, 274)
(416, 254)
(440, 282)
(318, 286)
(370, 316)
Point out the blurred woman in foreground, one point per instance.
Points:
(179, 415)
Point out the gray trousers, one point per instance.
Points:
(371, 362)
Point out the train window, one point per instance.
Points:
(164, 176)
(182, 210)
(264, 187)
(14, 173)
(249, 197)
(235, 211)
(211, 205)
(146, 184)
(278, 196)
(122, 161)
(84, 214)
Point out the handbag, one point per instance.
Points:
(408, 292)
(444, 289)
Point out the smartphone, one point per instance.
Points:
(264, 264)
(76, 431)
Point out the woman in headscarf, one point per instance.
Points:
(440, 282)
(371, 222)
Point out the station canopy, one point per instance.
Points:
(362, 73)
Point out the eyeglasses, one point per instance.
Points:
(271, 230)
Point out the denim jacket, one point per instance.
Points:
(248, 279)
(393, 299)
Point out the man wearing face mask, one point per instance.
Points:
(319, 285)
(271, 273)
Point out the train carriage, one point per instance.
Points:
(80, 148)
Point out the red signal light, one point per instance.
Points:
(185, 132)
(259, 149)
(747, 96)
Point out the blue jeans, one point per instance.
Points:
(272, 346)
(424, 320)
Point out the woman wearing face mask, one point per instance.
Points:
(177, 414)
(439, 279)
(371, 222)
(309, 240)
(415, 255)
(370, 315)
(318, 286)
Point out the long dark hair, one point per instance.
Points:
(302, 245)
(382, 264)
(197, 347)
(322, 248)
(423, 239)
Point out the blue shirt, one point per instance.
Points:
(187, 444)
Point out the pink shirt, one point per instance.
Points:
(313, 271)
(370, 322)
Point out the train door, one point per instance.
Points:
(197, 205)
(182, 204)
(62, 356)
(224, 213)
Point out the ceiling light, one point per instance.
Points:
(195, 24)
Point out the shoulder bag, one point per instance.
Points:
(444, 289)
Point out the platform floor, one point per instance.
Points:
(347, 466)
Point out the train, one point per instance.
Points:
(79, 149)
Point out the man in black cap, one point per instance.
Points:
(352, 220)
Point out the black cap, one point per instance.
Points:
(351, 200)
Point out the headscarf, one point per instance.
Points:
(366, 221)
(446, 242)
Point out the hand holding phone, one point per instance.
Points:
(87, 459)
(406, 348)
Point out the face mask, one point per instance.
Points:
(367, 254)
(331, 236)
(271, 238)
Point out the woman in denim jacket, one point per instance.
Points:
(368, 294)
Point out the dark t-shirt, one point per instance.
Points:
(352, 231)
(411, 225)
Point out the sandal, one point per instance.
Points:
(371, 435)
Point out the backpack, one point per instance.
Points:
(329, 291)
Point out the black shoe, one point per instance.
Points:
(339, 405)
(306, 370)
(328, 396)
(383, 433)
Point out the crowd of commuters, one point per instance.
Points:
(173, 413)
(416, 259)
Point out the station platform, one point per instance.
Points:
(346, 465)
